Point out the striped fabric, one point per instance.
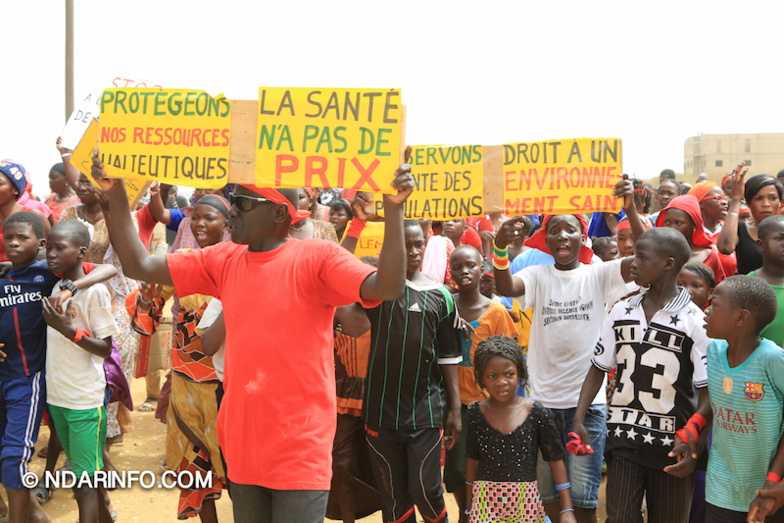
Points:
(410, 337)
(747, 422)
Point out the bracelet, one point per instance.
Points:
(80, 334)
(500, 253)
(467, 511)
(694, 426)
(501, 265)
(563, 486)
(355, 228)
(772, 476)
(65, 155)
(467, 483)
(732, 214)
(566, 510)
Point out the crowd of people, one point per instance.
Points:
(509, 361)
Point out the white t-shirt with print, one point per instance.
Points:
(569, 310)
(75, 378)
(208, 317)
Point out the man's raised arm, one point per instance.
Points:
(389, 282)
(135, 260)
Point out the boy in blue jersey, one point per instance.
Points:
(23, 334)
(746, 388)
(412, 391)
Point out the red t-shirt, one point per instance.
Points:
(277, 420)
(146, 224)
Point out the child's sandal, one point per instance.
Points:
(42, 493)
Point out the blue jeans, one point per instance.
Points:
(585, 472)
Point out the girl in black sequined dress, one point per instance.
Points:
(504, 434)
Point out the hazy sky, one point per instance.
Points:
(651, 73)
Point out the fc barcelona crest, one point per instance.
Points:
(754, 391)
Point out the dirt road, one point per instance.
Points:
(143, 450)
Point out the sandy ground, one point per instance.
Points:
(143, 450)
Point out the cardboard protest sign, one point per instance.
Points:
(449, 183)
(86, 110)
(337, 138)
(83, 152)
(371, 240)
(561, 176)
(83, 161)
(176, 136)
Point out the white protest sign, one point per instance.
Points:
(89, 107)
(86, 109)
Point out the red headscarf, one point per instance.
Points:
(274, 196)
(539, 239)
(701, 190)
(626, 224)
(689, 204)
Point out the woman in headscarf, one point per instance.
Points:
(191, 434)
(683, 214)
(713, 206)
(763, 196)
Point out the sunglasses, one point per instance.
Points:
(246, 203)
(719, 197)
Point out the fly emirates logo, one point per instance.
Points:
(13, 295)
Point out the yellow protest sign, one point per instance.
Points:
(337, 138)
(176, 136)
(449, 183)
(82, 157)
(83, 161)
(371, 240)
(562, 176)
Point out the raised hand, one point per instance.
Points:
(738, 181)
(100, 177)
(625, 189)
(403, 182)
(510, 231)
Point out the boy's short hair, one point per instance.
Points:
(767, 224)
(754, 295)
(31, 218)
(672, 182)
(73, 230)
(670, 243)
(466, 248)
(502, 346)
(600, 244)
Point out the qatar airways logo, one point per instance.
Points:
(15, 296)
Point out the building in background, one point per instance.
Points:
(715, 154)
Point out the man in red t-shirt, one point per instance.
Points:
(277, 418)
